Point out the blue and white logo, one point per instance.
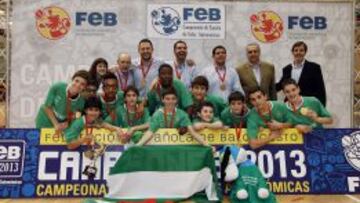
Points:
(351, 144)
(12, 154)
(165, 20)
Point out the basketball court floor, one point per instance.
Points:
(280, 198)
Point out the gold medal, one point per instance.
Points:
(304, 111)
(221, 78)
(143, 83)
(77, 114)
(223, 86)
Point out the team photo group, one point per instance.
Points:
(138, 96)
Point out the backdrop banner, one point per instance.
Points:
(52, 39)
(38, 165)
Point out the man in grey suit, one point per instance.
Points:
(256, 73)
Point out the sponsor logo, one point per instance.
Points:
(12, 153)
(52, 22)
(106, 19)
(186, 21)
(351, 144)
(307, 22)
(266, 26)
(165, 20)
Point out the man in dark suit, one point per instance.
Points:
(307, 74)
(257, 73)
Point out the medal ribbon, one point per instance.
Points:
(128, 119)
(293, 106)
(239, 127)
(88, 128)
(178, 73)
(108, 110)
(172, 119)
(69, 113)
(262, 116)
(221, 77)
(142, 66)
(122, 85)
(158, 89)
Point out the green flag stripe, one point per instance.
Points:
(164, 158)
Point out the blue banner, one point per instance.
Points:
(327, 162)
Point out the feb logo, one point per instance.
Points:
(351, 144)
(52, 22)
(12, 155)
(165, 20)
(266, 26)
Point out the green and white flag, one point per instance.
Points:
(163, 172)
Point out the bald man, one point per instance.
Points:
(257, 73)
(124, 71)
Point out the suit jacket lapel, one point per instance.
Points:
(251, 73)
(262, 73)
(303, 71)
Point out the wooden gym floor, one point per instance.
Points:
(280, 198)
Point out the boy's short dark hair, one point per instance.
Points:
(82, 74)
(236, 96)
(165, 65)
(201, 81)
(131, 88)
(108, 75)
(170, 90)
(93, 82)
(204, 104)
(255, 89)
(289, 81)
(93, 102)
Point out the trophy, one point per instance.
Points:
(93, 153)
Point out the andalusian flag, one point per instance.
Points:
(163, 173)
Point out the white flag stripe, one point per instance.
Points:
(162, 185)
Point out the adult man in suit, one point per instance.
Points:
(307, 74)
(256, 73)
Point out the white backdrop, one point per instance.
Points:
(37, 62)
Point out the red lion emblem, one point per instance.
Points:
(266, 26)
(52, 22)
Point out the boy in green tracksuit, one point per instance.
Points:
(307, 112)
(90, 120)
(63, 101)
(265, 114)
(164, 82)
(235, 115)
(111, 97)
(205, 117)
(199, 88)
(170, 116)
(128, 116)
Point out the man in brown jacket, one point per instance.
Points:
(256, 73)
